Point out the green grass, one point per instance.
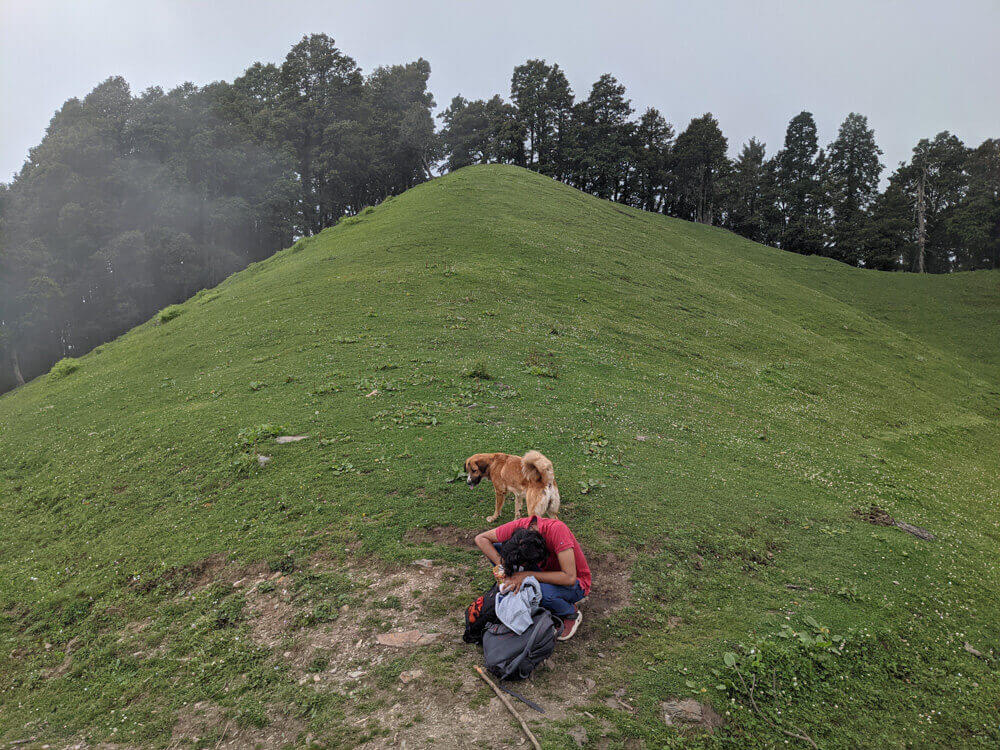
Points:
(715, 410)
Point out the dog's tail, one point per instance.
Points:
(537, 468)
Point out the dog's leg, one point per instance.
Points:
(517, 505)
(500, 497)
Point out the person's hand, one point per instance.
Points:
(512, 583)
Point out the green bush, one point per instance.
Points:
(478, 370)
(248, 437)
(281, 564)
(542, 366)
(244, 464)
(229, 613)
(169, 313)
(544, 371)
(64, 367)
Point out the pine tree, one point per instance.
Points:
(653, 140)
(797, 188)
(977, 220)
(544, 104)
(699, 161)
(852, 177)
(744, 192)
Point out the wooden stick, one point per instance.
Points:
(223, 736)
(510, 707)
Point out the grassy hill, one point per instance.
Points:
(716, 411)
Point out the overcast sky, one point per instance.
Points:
(914, 68)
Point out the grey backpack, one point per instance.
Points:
(510, 656)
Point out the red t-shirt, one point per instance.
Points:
(557, 537)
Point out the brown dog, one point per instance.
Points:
(530, 478)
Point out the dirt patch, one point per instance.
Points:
(430, 695)
(67, 661)
(877, 516)
(199, 574)
(418, 692)
(449, 536)
(204, 719)
(269, 613)
(612, 586)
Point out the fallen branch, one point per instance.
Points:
(875, 515)
(510, 707)
(223, 735)
(800, 735)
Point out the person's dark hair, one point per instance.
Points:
(525, 549)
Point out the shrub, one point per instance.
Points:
(544, 371)
(169, 313)
(229, 613)
(541, 365)
(281, 564)
(64, 367)
(478, 370)
(347, 221)
(248, 437)
(244, 463)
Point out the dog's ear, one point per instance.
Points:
(483, 464)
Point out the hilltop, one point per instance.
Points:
(716, 410)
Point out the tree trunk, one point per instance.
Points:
(921, 220)
(16, 365)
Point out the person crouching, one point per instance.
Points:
(546, 549)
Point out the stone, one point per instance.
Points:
(424, 563)
(283, 439)
(410, 675)
(406, 638)
(263, 460)
(690, 711)
(578, 735)
(975, 652)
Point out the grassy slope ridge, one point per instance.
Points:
(777, 393)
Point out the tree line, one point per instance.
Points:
(939, 212)
(133, 202)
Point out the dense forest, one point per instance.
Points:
(133, 202)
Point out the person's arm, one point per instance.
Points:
(485, 542)
(565, 576)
